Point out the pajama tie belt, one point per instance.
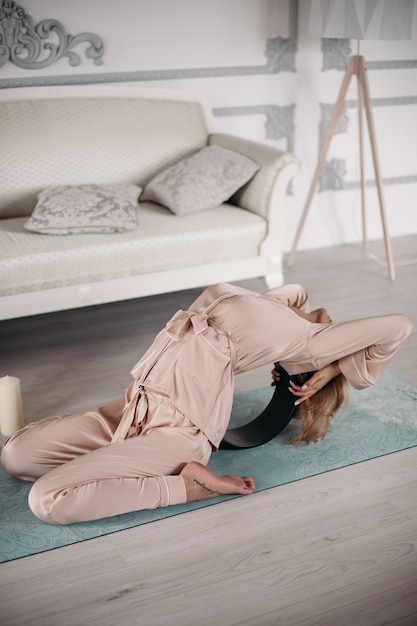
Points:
(184, 322)
(135, 411)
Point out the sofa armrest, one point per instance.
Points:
(270, 183)
(265, 194)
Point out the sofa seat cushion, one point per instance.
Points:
(33, 262)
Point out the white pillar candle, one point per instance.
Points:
(11, 411)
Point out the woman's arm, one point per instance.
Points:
(363, 348)
(360, 349)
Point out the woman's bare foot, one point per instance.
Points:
(202, 484)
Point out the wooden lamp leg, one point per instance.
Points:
(350, 70)
(363, 82)
(362, 163)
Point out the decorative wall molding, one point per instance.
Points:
(326, 113)
(336, 53)
(334, 170)
(25, 45)
(279, 122)
(280, 53)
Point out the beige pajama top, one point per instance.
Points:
(229, 330)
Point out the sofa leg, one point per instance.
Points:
(274, 276)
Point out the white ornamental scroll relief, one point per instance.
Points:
(25, 45)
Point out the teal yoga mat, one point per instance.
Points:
(378, 421)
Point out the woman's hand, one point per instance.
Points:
(317, 381)
(318, 316)
(275, 377)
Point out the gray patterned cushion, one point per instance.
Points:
(202, 181)
(85, 209)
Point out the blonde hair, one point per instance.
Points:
(317, 412)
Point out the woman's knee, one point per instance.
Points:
(42, 502)
(14, 458)
(407, 325)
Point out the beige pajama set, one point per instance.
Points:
(127, 455)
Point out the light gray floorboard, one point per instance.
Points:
(339, 548)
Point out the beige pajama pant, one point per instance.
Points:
(80, 475)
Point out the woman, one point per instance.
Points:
(151, 448)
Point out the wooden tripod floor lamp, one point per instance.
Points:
(357, 19)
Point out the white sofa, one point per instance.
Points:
(72, 135)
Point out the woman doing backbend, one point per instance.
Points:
(150, 449)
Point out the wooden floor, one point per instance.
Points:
(335, 549)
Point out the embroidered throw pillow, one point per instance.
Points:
(85, 209)
(201, 181)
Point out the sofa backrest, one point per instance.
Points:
(72, 135)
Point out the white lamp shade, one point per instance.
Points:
(361, 19)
